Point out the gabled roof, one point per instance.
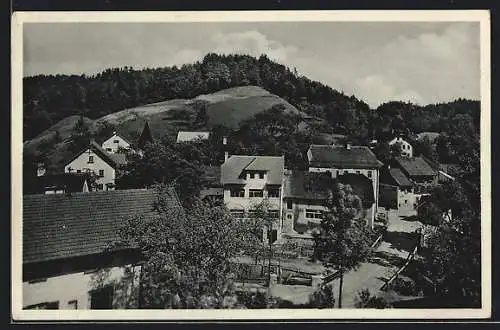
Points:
(415, 166)
(70, 182)
(183, 136)
(114, 160)
(121, 135)
(342, 157)
(233, 167)
(59, 226)
(395, 176)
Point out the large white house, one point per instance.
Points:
(406, 147)
(96, 160)
(248, 180)
(114, 143)
(65, 261)
(347, 159)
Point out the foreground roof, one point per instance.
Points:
(233, 167)
(416, 166)
(60, 226)
(342, 157)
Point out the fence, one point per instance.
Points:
(411, 256)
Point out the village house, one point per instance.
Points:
(93, 159)
(249, 180)
(397, 191)
(61, 183)
(347, 159)
(184, 136)
(116, 142)
(406, 147)
(66, 260)
(417, 170)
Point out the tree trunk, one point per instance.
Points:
(340, 287)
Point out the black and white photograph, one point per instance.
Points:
(267, 165)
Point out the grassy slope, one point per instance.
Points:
(227, 107)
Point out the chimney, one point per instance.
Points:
(226, 156)
(224, 140)
(114, 132)
(348, 146)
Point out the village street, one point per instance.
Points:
(387, 258)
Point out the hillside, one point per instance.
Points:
(227, 107)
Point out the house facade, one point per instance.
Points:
(341, 160)
(105, 166)
(114, 143)
(250, 180)
(406, 147)
(65, 261)
(397, 191)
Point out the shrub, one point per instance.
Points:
(366, 300)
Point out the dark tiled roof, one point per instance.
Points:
(395, 176)
(70, 182)
(236, 164)
(59, 226)
(415, 166)
(341, 157)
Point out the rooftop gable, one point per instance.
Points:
(331, 156)
(114, 160)
(235, 165)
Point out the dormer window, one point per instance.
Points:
(252, 175)
(261, 175)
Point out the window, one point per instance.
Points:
(91, 159)
(369, 174)
(313, 214)
(261, 175)
(289, 205)
(44, 305)
(237, 213)
(256, 193)
(358, 172)
(116, 141)
(102, 298)
(78, 171)
(237, 193)
(274, 214)
(73, 304)
(252, 175)
(273, 193)
(99, 186)
(109, 149)
(101, 173)
(288, 216)
(406, 201)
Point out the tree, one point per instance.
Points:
(80, 135)
(366, 300)
(187, 254)
(343, 240)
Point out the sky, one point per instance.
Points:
(419, 62)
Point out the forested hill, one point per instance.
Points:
(48, 98)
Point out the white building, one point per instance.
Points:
(347, 159)
(96, 160)
(114, 143)
(249, 180)
(183, 136)
(65, 264)
(406, 147)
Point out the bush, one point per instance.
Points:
(323, 298)
(404, 287)
(366, 300)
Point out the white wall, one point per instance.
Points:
(81, 163)
(110, 146)
(406, 148)
(298, 213)
(76, 286)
